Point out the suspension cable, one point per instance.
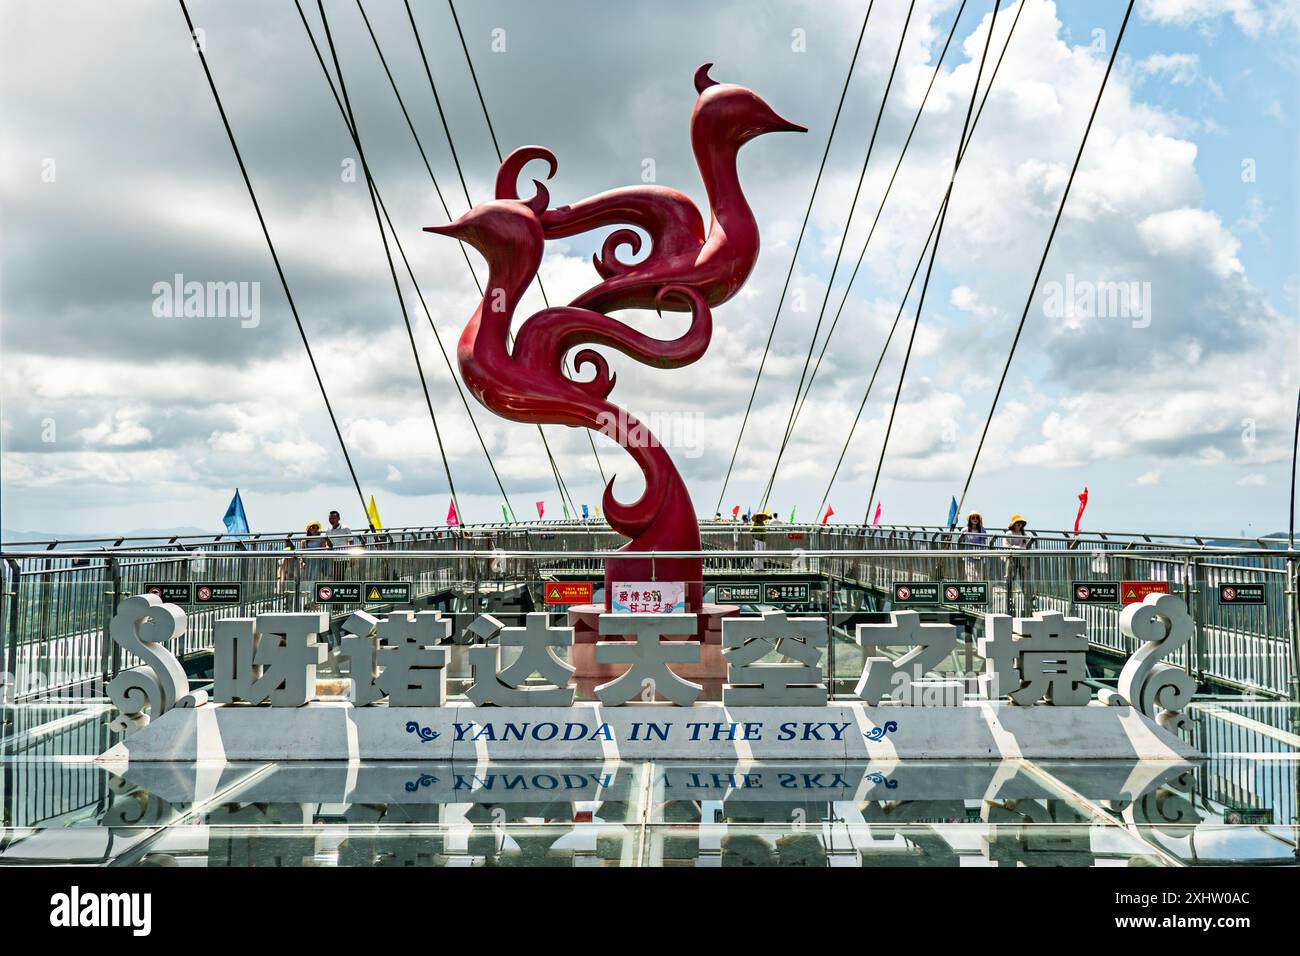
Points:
(872, 231)
(1042, 262)
(934, 254)
(284, 282)
(473, 74)
(388, 253)
(383, 60)
(839, 253)
(405, 260)
(794, 258)
(451, 144)
(988, 88)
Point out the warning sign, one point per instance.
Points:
(916, 592)
(569, 592)
(214, 592)
(1095, 592)
(739, 593)
(388, 592)
(966, 592)
(172, 592)
(337, 592)
(1241, 594)
(784, 593)
(1135, 592)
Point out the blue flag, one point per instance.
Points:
(235, 520)
(952, 513)
(585, 514)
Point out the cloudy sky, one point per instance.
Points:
(115, 175)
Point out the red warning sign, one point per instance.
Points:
(1133, 592)
(569, 592)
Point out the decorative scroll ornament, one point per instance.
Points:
(141, 626)
(1158, 690)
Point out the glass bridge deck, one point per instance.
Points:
(1238, 806)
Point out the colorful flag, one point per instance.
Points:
(541, 508)
(792, 514)
(453, 519)
(952, 513)
(372, 513)
(505, 515)
(1083, 503)
(827, 516)
(597, 512)
(236, 521)
(876, 519)
(565, 509)
(735, 512)
(585, 514)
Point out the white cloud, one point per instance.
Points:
(1194, 235)
(1148, 478)
(1250, 16)
(1179, 68)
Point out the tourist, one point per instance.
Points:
(1017, 539)
(758, 532)
(974, 537)
(340, 535)
(315, 567)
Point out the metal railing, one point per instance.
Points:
(59, 596)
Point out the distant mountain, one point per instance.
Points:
(10, 536)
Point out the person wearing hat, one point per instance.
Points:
(974, 537)
(1018, 539)
(758, 532)
(314, 540)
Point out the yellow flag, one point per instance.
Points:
(372, 512)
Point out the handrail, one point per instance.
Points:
(1187, 540)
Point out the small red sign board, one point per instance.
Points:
(1133, 592)
(569, 592)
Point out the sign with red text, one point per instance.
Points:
(569, 592)
(1134, 592)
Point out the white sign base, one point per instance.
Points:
(590, 732)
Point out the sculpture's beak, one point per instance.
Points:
(783, 125)
(450, 229)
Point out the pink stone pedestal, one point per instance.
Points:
(710, 672)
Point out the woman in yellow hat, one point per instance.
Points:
(1018, 539)
(314, 541)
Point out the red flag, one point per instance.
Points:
(1083, 503)
(735, 512)
(541, 508)
(453, 519)
(876, 519)
(829, 511)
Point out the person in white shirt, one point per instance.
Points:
(340, 535)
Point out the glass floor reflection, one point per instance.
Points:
(1238, 806)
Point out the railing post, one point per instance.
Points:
(1196, 605)
(1293, 624)
(111, 654)
(13, 577)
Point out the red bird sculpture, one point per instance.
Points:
(726, 117)
(685, 270)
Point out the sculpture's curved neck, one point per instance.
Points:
(510, 270)
(728, 208)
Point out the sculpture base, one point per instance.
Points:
(591, 732)
(710, 673)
